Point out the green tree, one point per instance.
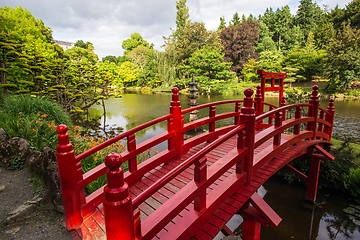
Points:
(195, 37)
(128, 73)
(235, 21)
(134, 41)
(265, 42)
(182, 18)
(109, 58)
(145, 59)
(308, 16)
(208, 65)
(222, 24)
(270, 61)
(342, 61)
(80, 43)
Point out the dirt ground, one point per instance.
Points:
(16, 189)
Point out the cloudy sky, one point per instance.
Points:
(107, 23)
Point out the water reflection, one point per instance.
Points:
(327, 220)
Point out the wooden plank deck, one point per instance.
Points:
(93, 226)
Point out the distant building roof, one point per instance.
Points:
(64, 44)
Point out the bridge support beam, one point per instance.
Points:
(313, 179)
(260, 213)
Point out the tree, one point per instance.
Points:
(207, 64)
(195, 37)
(283, 23)
(82, 44)
(182, 19)
(265, 42)
(351, 12)
(235, 21)
(239, 44)
(145, 59)
(222, 24)
(134, 41)
(308, 17)
(342, 61)
(109, 58)
(270, 61)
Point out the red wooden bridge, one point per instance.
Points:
(194, 187)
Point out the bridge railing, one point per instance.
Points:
(246, 121)
(78, 205)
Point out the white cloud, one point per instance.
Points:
(106, 23)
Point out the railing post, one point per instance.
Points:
(212, 113)
(247, 117)
(200, 175)
(278, 122)
(283, 104)
(118, 211)
(131, 146)
(313, 110)
(240, 146)
(259, 107)
(68, 179)
(177, 121)
(297, 116)
(330, 118)
(237, 109)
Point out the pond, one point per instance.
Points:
(326, 221)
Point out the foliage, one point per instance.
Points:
(82, 44)
(309, 15)
(208, 63)
(342, 172)
(343, 62)
(270, 61)
(182, 19)
(15, 164)
(82, 143)
(249, 71)
(32, 119)
(134, 41)
(239, 44)
(146, 60)
(195, 37)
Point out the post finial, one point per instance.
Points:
(62, 129)
(248, 92)
(175, 90)
(315, 90)
(113, 161)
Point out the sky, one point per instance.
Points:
(107, 23)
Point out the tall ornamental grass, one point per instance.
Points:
(33, 119)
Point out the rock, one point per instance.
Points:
(22, 212)
(33, 163)
(3, 136)
(13, 230)
(2, 188)
(14, 147)
(52, 193)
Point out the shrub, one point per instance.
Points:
(33, 119)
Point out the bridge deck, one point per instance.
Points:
(93, 226)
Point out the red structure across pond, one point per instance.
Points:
(193, 188)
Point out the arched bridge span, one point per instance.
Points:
(193, 188)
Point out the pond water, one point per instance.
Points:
(326, 221)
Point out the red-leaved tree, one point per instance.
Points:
(239, 43)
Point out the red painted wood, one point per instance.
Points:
(172, 183)
(117, 201)
(68, 179)
(265, 210)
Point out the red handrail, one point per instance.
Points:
(121, 136)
